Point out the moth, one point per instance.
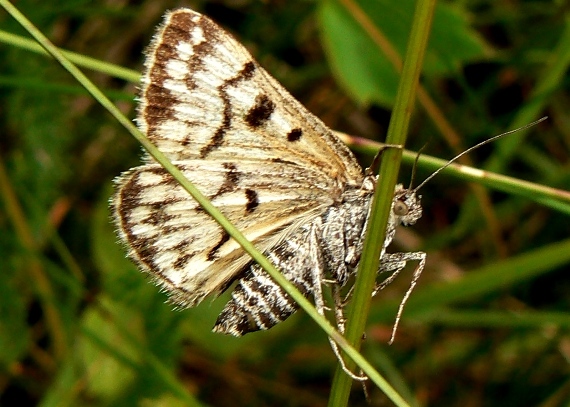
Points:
(272, 168)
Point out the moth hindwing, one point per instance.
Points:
(271, 167)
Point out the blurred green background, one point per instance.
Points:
(488, 323)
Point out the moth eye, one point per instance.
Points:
(400, 208)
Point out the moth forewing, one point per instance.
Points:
(272, 168)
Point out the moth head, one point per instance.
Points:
(406, 205)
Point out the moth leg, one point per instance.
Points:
(318, 279)
(339, 304)
(340, 323)
(317, 271)
(344, 301)
(376, 161)
(395, 263)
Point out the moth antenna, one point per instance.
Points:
(477, 146)
(376, 160)
(415, 166)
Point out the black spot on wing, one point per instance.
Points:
(294, 135)
(252, 200)
(261, 112)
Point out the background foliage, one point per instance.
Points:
(79, 325)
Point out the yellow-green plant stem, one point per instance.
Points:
(78, 59)
(555, 198)
(381, 205)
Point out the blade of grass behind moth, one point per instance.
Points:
(381, 204)
(553, 198)
(78, 59)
